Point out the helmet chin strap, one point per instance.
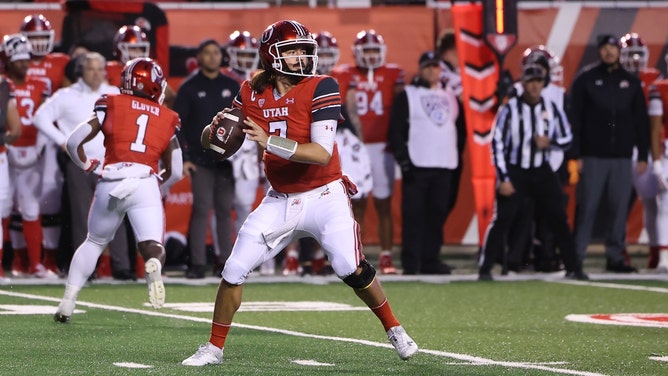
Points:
(369, 75)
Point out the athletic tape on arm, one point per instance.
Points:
(282, 147)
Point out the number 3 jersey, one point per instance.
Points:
(374, 95)
(312, 99)
(136, 130)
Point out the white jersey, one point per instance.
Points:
(432, 133)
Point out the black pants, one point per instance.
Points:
(425, 205)
(543, 187)
(213, 188)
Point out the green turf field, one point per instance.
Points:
(462, 328)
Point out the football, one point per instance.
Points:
(228, 136)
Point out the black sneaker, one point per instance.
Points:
(620, 267)
(440, 268)
(578, 276)
(123, 275)
(196, 272)
(485, 277)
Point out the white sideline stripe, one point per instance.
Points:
(468, 358)
(563, 27)
(661, 290)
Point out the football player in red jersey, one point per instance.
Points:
(10, 130)
(44, 63)
(374, 84)
(292, 114)
(656, 209)
(634, 56)
(244, 58)
(130, 42)
(139, 133)
(48, 66)
(24, 158)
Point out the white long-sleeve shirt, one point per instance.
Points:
(69, 107)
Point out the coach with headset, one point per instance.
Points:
(526, 129)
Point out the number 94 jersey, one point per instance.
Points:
(374, 95)
(135, 129)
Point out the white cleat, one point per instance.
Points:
(404, 344)
(64, 312)
(156, 288)
(206, 354)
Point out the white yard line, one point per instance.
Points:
(467, 359)
(619, 286)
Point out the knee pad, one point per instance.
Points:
(362, 280)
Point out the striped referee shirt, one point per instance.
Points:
(515, 125)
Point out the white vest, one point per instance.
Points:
(432, 133)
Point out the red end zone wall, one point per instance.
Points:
(408, 31)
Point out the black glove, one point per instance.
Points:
(407, 169)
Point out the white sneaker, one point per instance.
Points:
(663, 262)
(156, 288)
(206, 354)
(404, 344)
(64, 312)
(44, 273)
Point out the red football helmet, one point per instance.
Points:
(285, 35)
(328, 51)
(143, 77)
(130, 42)
(634, 54)
(15, 47)
(39, 32)
(548, 59)
(369, 50)
(242, 49)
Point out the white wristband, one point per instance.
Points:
(657, 167)
(281, 146)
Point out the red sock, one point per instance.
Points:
(49, 260)
(139, 266)
(385, 314)
(219, 334)
(653, 257)
(104, 266)
(32, 232)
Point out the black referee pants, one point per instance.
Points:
(543, 186)
(425, 205)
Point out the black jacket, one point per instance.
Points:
(608, 114)
(197, 101)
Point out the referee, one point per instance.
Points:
(526, 129)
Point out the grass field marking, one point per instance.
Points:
(661, 290)
(465, 357)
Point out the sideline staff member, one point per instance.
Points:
(525, 130)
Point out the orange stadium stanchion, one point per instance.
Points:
(480, 73)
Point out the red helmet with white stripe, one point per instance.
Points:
(243, 51)
(39, 32)
(130, 42)
(143, 77)
(288, 35)
(369, 49)
(634, 54)
(328, 51)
